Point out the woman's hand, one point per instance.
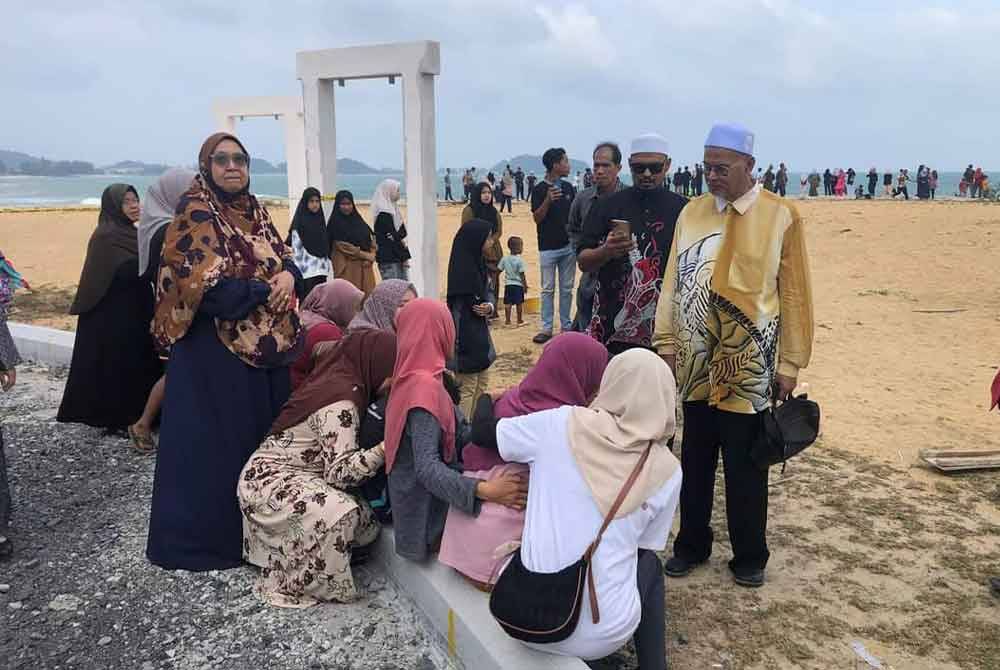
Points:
(282, 291)
(508, 489)
(484, 309)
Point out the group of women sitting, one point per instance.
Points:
(284, 425)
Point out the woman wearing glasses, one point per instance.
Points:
(225, 310)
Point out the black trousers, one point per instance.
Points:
(505, 200)
(781, 190)
(4, 490)
(519, 190)
(651, 635)
(447, 193)
(707, 430)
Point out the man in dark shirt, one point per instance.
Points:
(781, 180)
(519, 183)
(550, 203)
(699, 179)
(630, 267)
(687, 181)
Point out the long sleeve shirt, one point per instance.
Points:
(736, 302)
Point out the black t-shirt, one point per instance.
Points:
(625, 304)
(887, 179)
(552, 231)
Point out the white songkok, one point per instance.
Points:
(731, 136)
(651, 143)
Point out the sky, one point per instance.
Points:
(849, 83)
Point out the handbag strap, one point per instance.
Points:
(609, 517)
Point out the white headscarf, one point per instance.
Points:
(159, 207)
(386, 199)
(634, 407)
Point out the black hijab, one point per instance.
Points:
(114, 242)
(350, 229)
(310, 226)
(466, 266)
(487, 213)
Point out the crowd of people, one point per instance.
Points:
(304, 395)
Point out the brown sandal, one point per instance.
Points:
(144, 444)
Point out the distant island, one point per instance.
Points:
(532, 163)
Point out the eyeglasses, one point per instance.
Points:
(222, 159)
(641, 168)
(719, 169)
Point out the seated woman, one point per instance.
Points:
(420, 437)
(580, 459)
(301, 518)
(567, 373)
(380, 308)
(325, 314)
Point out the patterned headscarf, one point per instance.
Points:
(331, 302)
(380, 307)
(218, 236)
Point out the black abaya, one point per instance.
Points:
(114, 365)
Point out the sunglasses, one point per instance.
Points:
(641, 168)
(222, 159)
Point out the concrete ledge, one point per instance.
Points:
(461, 614)
(43, 345)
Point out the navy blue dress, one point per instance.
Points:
(216, 412)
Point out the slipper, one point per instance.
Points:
(142, 443)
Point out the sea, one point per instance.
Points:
(22, 191)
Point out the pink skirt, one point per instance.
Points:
(469, 542)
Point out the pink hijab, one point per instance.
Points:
(568, 372)
(331, 302)
(425, 338)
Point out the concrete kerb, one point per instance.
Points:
(43, 345)
(461, 614)
(457, 611)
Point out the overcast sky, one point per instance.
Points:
(843, 83)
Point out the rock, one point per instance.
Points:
(104, 641)
(16, 605)
(4, 588)
(682, 638)
(32, 563)
(64, 602)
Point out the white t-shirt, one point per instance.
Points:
(562, 520)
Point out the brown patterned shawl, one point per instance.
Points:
(216, 236)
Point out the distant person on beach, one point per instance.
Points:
(769, 179)
(933, 182)
(352, 243)
(468, 180)
(516, 280)
(447, 185)
(687, 181)
(717, 327)
(977, 183)
(550, 203)
(576, 181)
(531, 179)
(828, 182)
(887, 184)
(781, 180)
(840, 184)
(482, 207)
(114, 366)
(507, 191)
(607, 158)
(226, 311)
(588, 178)
(10, 281)
(423, 434)
(304, 522)
(851, 174)
(519, 182)
(923, 182)
(699, 179)
(814, 180)
(901, 182)
(491, 178)
(392, 253)
(872, 182)
(307, 238)
(626, 242)
(967, 177)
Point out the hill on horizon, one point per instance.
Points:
(533, 163)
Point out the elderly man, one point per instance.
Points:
(607, 164)
(738, 270)
(625, 242)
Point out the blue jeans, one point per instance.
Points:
(565, 261)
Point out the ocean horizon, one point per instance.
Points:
(21, 191)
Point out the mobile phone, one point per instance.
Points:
(622, 228)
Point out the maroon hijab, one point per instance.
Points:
(568, 372)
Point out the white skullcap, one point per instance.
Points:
(650, 143)
(731, 136)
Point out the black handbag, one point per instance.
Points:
(543, 607)
(785, 430)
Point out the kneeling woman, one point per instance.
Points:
(300, 519)
(580, 459)
(420, 437)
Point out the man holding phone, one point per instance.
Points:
(625, 242)
(550, 203)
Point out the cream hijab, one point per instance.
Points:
(635, 405)
(386, 199)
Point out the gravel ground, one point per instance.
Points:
(79, 592)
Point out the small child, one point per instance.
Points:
(515, 282)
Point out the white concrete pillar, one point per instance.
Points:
(295, 148)
(420, 168)
(320, 137)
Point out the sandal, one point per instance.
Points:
(142, 443)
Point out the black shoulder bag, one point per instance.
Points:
(785, 430)
(543, 607)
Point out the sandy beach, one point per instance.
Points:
(867, 545)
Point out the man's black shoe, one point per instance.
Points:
(678, 567)
(751, 580)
